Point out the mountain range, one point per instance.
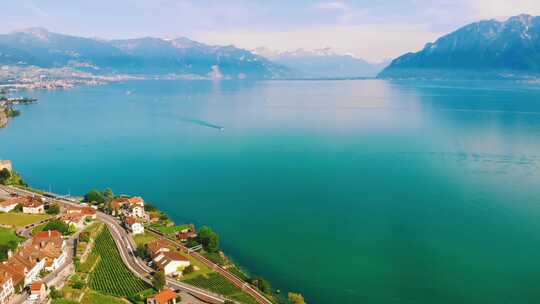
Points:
(484, 49)
(41, 48)
(321, 63)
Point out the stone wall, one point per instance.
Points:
(6, 164)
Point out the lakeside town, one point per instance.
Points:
(107, 248)
(14, 78)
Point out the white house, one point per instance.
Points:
(134, 225)
(171, 262)
(54, 262)
(6, 287)
(33, 272)
(37, 292)
(33, 205)
(7, 206)
(73, 220)
(137, 211)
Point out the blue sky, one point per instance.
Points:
(374, 30)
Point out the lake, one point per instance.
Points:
(364, 191)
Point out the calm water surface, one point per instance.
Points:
(347, 191)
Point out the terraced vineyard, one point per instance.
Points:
(216, 283)
(111, 276)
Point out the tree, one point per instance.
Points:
(84, 237)
(149, 207)
(141, 251)
(5, 175)
(209, 239)
(53, 209)
(108, 194)
(57, 225)
(262, 284)
(55, 294)
(159, 280)
(228, 302)
(296, 298)
(18, 208)
(189, 269)
(94, 196)
(5, 248)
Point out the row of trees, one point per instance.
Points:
(99, 197)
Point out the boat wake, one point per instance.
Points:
(203, 123)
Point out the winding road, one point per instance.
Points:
(127, 247)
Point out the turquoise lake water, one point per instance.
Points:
(346, 191)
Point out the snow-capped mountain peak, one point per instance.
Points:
(37, 32)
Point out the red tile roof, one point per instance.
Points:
(4, 276)
(165, 296)
(131, 220)
(32, 202)
(50, 236)
(136, 200)
(36, 286)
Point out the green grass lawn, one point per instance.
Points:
(20, 219)
(92, 297)
(169, 230)
(7, 235)
(71, 294)
(203, 269)
(141, 239)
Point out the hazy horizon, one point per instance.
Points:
(372, 31)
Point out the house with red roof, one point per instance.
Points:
(8, 205)
(33, 205)
(45, 251)
(156, 247)
(83, 211)
(167, 296)
(171, 262)
(38, 292)
(133, 206)
(75, 220)
(187, 234)
(52, 247)
(24, 266)
(134, 225)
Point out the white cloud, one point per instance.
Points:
(36, 10)
(373, 42)
(487, 9)
(331, 6)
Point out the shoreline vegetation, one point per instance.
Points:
(89, 282)
(161, 225)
